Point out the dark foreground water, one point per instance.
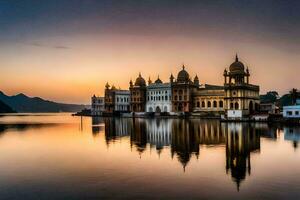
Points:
(64, 157)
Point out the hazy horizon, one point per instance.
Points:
(66, 51)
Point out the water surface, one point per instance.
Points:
(63, 157)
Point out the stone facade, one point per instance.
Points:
(182, 91)
(159, 97)
(138, 95)
(241, 97)
(237, 98)
(116, 100)
(97, 107)
(209, 99)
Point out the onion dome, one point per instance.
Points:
(140, 81)
(183, 76)
(237, 66)
(158, 81)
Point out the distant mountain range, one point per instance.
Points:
(5, 108)
(23, 103)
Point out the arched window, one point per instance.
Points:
(221, 104)
(203, 104)
(215, 104)
(198, 104)
(236, 105)
(208, 104)
(231, 105)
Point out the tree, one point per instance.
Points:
(294, 95)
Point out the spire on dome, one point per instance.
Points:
(236, 58)
(149, 80)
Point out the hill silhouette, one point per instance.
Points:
(23, 103)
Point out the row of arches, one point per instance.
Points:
(211, 104)
(158, 109)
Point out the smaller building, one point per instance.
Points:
(209, 100)
(116, 100)
(159, 97)
(97, 105)
(122, 101)
(138, 94)
(291, 112)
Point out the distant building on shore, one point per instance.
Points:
(293, 111)
(116, 100)
(97, 107)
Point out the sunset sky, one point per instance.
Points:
(67, 50)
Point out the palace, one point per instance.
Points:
(236, 99)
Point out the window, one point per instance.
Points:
(231, 105)
(185, 97)
(289, 113)
(180, 98)
(296, 112)
(236, 105)
(166, 98)
(203, 104)
(221, 104)
(209, 104)
(215, 104)
(198, 104)
(175, 98)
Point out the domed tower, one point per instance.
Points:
(182, 91)
(138, 95)
(241, 98)
(183, 76)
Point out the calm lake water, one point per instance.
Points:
(64, 157)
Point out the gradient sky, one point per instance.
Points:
(66, 50)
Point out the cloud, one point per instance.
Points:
(37, 44)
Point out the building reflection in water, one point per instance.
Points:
(292, 134)
(184, 137)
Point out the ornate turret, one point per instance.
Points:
(158, 81)
(149, 81)
(171, 78)
(107, 86)
(130, 83)
(113, 87)
(196, 80)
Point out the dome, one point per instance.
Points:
(140, 81)
(158, 81)
(237, 66)
(183, 76)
